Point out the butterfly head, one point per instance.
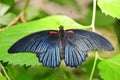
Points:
(61, 27)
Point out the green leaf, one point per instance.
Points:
(110, 7)
(14, 33)
(2, 78)
(5, 5)
(101, 19)
(29, 15)
(10, 72)
(32, 13)
(42, 73)
(8, 2)
(110, 68)
(7, 18)
(3, 8)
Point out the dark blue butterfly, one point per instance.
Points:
(52, 46)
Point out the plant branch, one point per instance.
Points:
(19, 17)
(6, 75)
(93, 16)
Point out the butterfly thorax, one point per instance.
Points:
(61, 32)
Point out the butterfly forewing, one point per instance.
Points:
(86, 40)
(24, 44)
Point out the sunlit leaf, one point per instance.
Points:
(12, 34)
(3, 8)
(5, 5)
(2, 78)
(110, 68)
(7, 18)
(110, 7)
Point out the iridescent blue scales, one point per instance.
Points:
(51, 46)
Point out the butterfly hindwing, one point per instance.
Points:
(45, 45)
(73, 56)
(51, 57)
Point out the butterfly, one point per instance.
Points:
(52, 46)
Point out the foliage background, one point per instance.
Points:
(27, 67)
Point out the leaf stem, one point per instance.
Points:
(94, 65)
(93, 29)
(6, 75)
(93, 16)
(26, 5)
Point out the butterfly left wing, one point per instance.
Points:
(35, 42)
(51, 57)
(43, 43)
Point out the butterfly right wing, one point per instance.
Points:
(73, 55)
(78, 42)
(44, 44)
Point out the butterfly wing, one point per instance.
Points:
(44, 44)
(51, 57)
(73, 56)
(31, 43)
(78, 42)
(87, 40)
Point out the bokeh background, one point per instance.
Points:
(81, 12)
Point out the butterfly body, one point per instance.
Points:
(70, 45)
